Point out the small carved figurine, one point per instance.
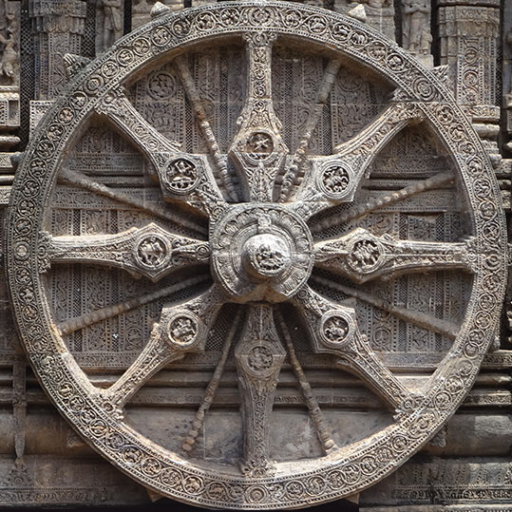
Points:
(376, 4)
(416, 26)
(9, 59)
(111, 20)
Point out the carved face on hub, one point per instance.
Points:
(261, 252)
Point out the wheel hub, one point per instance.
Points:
(261, 252)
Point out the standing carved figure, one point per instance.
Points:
(416, 26)
(9, 53)
(111, 21)
(509, 41)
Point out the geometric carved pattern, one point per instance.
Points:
(267, 203)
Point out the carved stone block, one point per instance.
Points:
(38, 109)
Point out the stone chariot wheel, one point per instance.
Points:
(284, 213)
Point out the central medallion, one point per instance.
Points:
(261, 252)
(266, 256)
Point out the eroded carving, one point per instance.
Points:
(9, 62)
(416, 26)
(109, 23)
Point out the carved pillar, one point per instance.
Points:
(507, 69)
(507, 142)
(58, 28)
(468, 33)
(9, 73)
(468, 37)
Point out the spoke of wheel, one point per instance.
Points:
(295, 170)
(333, 330)
(155, 356)
(151, 251)
(315, 413)
(359, 358)
(336, 178)
(438, 181)
(213, 385)
(120, 111)
(378, 133)
(99, 315)
(258, 150)
(183, 177)
(182, 329)
(362, 256)
(219, 159)
(259, 357)
(80, 180)
(443, 327)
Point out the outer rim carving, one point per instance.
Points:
(66, 383)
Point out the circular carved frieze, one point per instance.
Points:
(260, 359)
(259, 145)
(334, 180)
(181, 176)
(282, 217)
(335, 329)
(162, 86)
(365, 254)
(152, 251)
(183, 329)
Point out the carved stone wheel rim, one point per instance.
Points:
(344, 471)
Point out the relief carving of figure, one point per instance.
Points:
(111, 23)
(416, 26)
(9, 52)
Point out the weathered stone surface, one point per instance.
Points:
(255, 253)
(445, 481)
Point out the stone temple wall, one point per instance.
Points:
(255, 256)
